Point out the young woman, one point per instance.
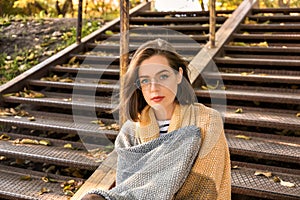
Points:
(181, 146)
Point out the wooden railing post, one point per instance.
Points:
(79, 23)
(124, 49)
(212, 23)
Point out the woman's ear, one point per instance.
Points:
(179, 75)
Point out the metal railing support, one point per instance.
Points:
(124, 50)
(212, 23)
(79, 23)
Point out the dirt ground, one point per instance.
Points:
(32, 34)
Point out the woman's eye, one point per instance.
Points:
(164, 77)
(144, 81)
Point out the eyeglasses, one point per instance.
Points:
(163, 78)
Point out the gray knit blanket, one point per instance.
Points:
(157, 169)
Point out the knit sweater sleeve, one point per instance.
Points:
(210, 174)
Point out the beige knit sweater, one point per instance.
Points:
(209, 177)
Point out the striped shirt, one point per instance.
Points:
(163, 126)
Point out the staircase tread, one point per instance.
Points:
(64, 123)
(261, 117)
(275, 95)
(257, 61)
(13, 187)
(264, 146)
(243, 178)
(49, 154)
(74, 85)
(261, 77)
(65, 100)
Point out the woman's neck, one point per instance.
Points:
(164, 114)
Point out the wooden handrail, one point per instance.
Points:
(205, 56)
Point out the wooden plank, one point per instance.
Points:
(204, 57)
(103, 177)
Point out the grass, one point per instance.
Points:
(22, 60)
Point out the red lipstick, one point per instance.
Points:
(157, 99)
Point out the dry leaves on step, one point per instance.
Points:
(282, 182)
(239, 110)
(26, 94)
(275, 178)
(44, 190)
(244, 137)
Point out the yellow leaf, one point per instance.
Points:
(31, 118)
(44, 190)
(68, 146)
(261, 173)
(28, 141)
(26, 178)
(282, 182)
(4, 137)
(45, 142)
(298, 114)
(243, 137)
(239, 110)
(287, 184)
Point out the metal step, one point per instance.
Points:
(244, 181)
(12, 187)
(61, 123)
(66, 101)
(264, 145)
(247, 93)
(259, 76)
(261, 117)
(53, 154)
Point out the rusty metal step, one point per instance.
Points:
(141, 38)
(115, 48)
(175, 20)
(92, 69)
(244, 182)
(260, 76)
(263, 50)
(180, 28)
(181, 13)
(286, 11)
(274, 18)
(106, 85)
(270, 27)
(247, 93)
(257, 62)
(267, 146)
(66, 101)
(261, 117)
(269, 38)
(12, 187)
(54, 154)
(62, 123)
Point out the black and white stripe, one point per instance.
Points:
(163, 126)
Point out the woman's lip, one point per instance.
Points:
(157, 98)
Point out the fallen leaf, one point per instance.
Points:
(262, 173)
(282, 182)
(4, 137)
(239, 110)
(68, 146)
(243, 137)
(298, 114)
(44, 190)
(45, 142)
(26, 178)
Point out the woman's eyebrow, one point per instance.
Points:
(162, 71)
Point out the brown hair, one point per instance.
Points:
(133, 97)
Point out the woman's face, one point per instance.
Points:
(158, 83)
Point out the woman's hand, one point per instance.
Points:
(92, 197)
